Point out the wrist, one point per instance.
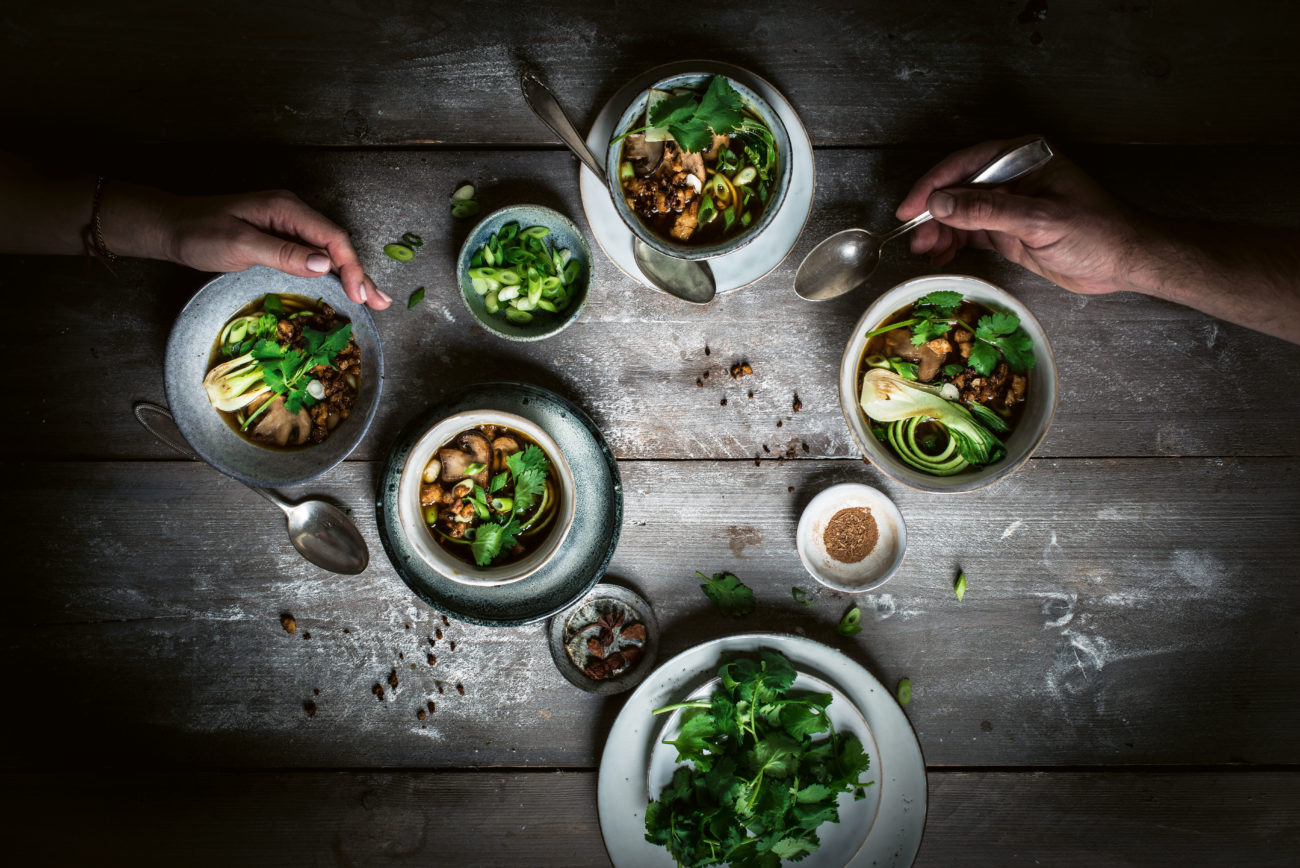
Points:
(138, 221)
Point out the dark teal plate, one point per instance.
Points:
(581, 560)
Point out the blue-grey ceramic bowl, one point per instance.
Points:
(633, 116)
(581, 558)
(193, 338)
(564, 235)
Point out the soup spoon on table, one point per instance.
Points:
(686, 279)
(320, 531)
(844, 261)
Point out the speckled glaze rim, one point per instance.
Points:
(502, 327)
(411, 569)
(559, 624)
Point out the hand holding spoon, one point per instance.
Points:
(844, 261)
(686, 279)
(320, 531)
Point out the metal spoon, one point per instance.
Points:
(320, 531)
(688, 279)
(844, 261)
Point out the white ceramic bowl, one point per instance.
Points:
(1040, 404)
(877, 567)
(411, 515)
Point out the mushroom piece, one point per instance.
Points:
(899, 343)
(502, 448)
(932, 356)
(277, 425)
(478, 446)
(644, 156)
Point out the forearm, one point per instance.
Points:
(1246, 275)
(45, 214)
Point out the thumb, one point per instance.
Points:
(1034, 221)
(283, 255)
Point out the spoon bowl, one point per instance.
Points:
(321, 532)
(845, 260)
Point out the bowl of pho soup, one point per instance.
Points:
(273, 379)
(699, 165)
(948, 383)
(486, 497)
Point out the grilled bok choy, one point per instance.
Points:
(929, 432)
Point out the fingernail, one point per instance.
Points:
(361, 291)
(385, 296)
(318, 262)
(940, 204)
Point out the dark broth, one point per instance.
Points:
(455, 522)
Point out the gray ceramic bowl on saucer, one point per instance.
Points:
(564, 235)
(189, 349)
(634, 116)
(1040, 403)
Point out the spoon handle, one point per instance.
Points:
(1015, 163)
(548, 108)
(144, 410)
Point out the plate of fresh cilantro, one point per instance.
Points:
(762, 750)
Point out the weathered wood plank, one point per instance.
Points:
(1118, 612)
(1138, 377)
(339, 72)
(549, 819)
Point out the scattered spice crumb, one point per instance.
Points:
(797, 405)
(452, 645)
(723, 402)
(438, 684)
(432, 707)
(288, 623)
(460, 688)
(758, 462)
(437, 634)
(306, 634)
(392, 679)
(401, 655)
(706, 375)
(765, 449)
(408, 626)
(315, 691)
(706, 349)
(347, 629)
(699, 382)
(378, 691)
(544, 714)
(778, 423)
(789, 488)
(751, 396)
(445, 622)
(421, 714)
(412, 667)
(741, 369)
(432, 641)
(432, 660)
(310, 708)
(804, 444)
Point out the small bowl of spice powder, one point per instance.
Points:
(851, 538)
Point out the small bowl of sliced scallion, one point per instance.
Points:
(524, 272)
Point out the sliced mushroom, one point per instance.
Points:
(277, 425)
(503, 447)
(644, 156)
(454, 464)
(478, 446)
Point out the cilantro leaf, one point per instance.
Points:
(728, 593)
(498, 482)
(692, 135)
(928, 329)
(674, 109)
(265, 350)
(993, 325)
(983, 357)
(945, 301)
(952, 370)
(272, 304)
(532, 457)
(720, 107)
(489, 540)
(528, 487)
(794, 848)
(697, 728)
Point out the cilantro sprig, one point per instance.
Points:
(502, 518)
(757, 782)
(733, 597)
(693, 119)
(997, 336)
(287, 371)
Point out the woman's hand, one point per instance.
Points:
(1056, 222)
(273, 228)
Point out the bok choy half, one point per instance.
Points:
(903, 405)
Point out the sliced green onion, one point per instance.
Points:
(463, 193)
(536, 232)
(625, 171)
(492, 302)
(400, 252)
(464, 209)
(745, 175)
(431, 515)
(410, 239)
(521, 317)
(416, 298)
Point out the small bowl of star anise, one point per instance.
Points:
(607, 643)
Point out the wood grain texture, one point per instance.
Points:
(1139, 377)
(861, 73)
(1118, 612)
(550, 819)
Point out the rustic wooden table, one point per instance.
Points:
(1119, 685)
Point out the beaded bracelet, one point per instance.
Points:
(93, 236)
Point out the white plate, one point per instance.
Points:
(869, 709)
(751, 262)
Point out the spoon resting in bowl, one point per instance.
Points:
(689, 280)
(320, 531)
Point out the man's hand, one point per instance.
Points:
(274, 228)
(1055, 222)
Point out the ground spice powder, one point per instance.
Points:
(851, 534)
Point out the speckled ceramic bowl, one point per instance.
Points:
(190, 345)
(632, 117)
(421, 538)
(564, 235)
(1040, 404)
